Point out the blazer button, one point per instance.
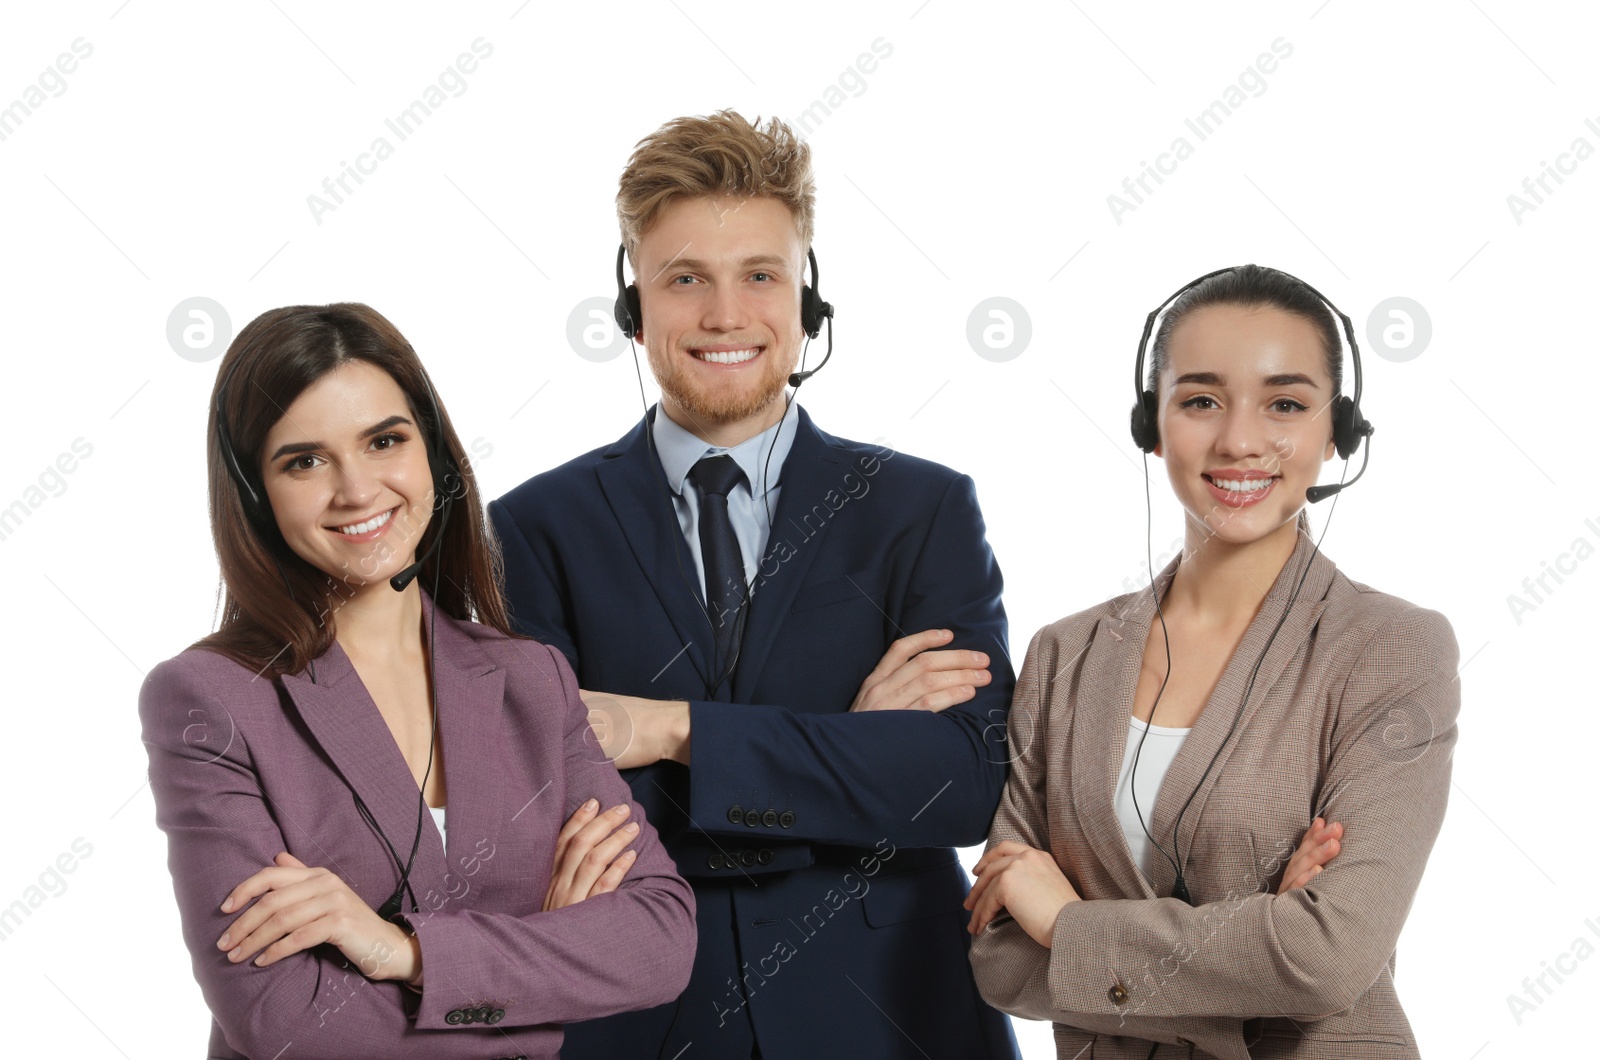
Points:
(769, 818)
(747, 857)
(496, 1015)
(483, 1013)
(455, 1016)
(1118, 994)
(786, 819)
(752, 818)
(764, 856)
(714, 861)
(735, 814)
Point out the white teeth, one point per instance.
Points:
(369, 525)
(727, 356)
(1249, 485)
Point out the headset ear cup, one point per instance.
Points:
(626, 310)
(810, 313)
(1346, 437)
(1143, 422)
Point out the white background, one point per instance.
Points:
(975, 162)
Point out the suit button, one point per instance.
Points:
(496, 1015)
(752, 818)
(786, 819)
(455, 1016)
(747, 857)
(484, 1012)
(735, 814)
(764, 856)
(714, 861)
(769, 818)
(1118, 994)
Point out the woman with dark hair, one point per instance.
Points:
(1146, 887)
(334, 901)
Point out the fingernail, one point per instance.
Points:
(620, 811)
(630, 827)
(591, 804)
(233, 954)
(227, 904)
(630, 854)
(223, 942)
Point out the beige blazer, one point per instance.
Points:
(1353, 717)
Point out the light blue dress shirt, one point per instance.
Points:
(749, 501)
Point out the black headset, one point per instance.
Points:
(813, 310)
(813, 313)
(442, 466)
(1349, 426)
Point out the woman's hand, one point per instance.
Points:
(1317, 847)
(297, 908)
(1026, 883)
(590, 858)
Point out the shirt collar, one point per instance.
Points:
(679, 450)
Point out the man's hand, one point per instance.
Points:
(913, 676)
(638, 732)
(1025, 882)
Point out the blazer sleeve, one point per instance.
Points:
(630, 949)
(220, 829)
(918, 778)
(1011, 969)
(1312, 951)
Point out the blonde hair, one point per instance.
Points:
(721, 154)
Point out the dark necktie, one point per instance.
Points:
(713, 477)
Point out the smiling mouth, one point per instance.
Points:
(738, 356)
(367, 526)
(1242, 486)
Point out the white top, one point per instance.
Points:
(438, 811)
(1160, 748)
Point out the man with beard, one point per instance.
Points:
(792, 644)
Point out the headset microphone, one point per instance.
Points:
(399, 582)
(1322, 493)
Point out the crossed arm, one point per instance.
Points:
(1307, 951)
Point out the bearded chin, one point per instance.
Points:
(728, 406)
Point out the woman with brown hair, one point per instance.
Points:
(296, 752)
(1142, 888)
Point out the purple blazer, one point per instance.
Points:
(243, 767)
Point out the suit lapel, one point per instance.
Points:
(636, 489)
(343, 719)
(471, 699)
(1109, 678)
(1100, 736)
(812, 469)
(1211, 732)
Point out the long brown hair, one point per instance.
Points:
(275, 623)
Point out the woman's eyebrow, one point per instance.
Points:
(1213, 379)
(308, 447)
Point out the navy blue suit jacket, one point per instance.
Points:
(818, 841)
